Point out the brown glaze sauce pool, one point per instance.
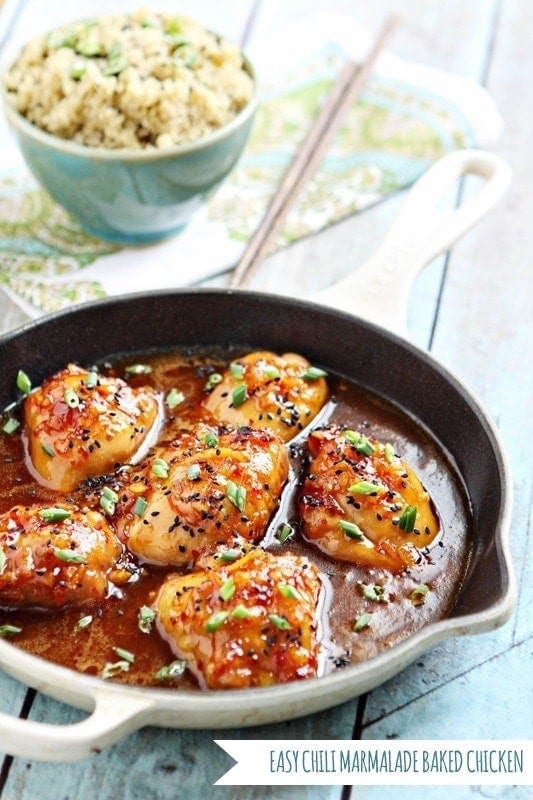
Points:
(53, 635)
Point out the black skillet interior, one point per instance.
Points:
(343, 344)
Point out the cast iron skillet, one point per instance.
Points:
(342, 343)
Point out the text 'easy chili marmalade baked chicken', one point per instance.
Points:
(249, 623)
(205, 488)
(54, 556)
(361, 503)
(80, 424)
(263, 390)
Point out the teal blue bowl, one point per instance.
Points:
(132, 196)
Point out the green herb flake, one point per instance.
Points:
(408, 518)
(173, 670)
(140, 507)
(11, 426)
(146, 618)
(210, 439)
(313, 374)
(138, 369)
(23, 382)
(70, 397)
(78, 70)
(365, 487)
(227, 590)
(351, 530)
(69, 556)
(238, 396)
(193, 473)
(54, 514)
(271, 372)
(374, 592)
(213, 380)
(241, 612)
(237, 371)
(173, 26)
(419, 595)
(290, 592)
(362, 622)
(48, 449)
(389, 453)
(83, 622)
(361, 443)
(160, 468)
(229, 555)
(285, 532)
(279, 622)
(92, 380)
(174, 398)
(125, 654)
(9, 630)
(88, 45)
(236, 495)
(111, 670)
(216, 621)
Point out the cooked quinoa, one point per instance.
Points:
(136, 81)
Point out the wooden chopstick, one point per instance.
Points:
(345, 91)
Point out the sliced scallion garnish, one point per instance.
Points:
(279, 622)
(366, 487)
(138, 369)
(351, 530)
(23, 382)
(210, 439)
(92, 380)
(146, 619)
(125, 654)
(54, 514)
(160, 468)
(313, 374)
(389, 453)
(216, 621)
(361, 443)
(229, 555)
(290, 592)
(78, 70)
(140, 507)
(362, 622)
(71, 398)
(48, 449)
(419, 595)
(271, 372)
(238, 396)
(11, 426)
(173, 670)
(408, 518)
(241, 612)
(69, 556)
(111, 670)
(236, 495)
(213, 380)
(374, 592)
(174, 398)
(83, 622)
(236, 370)
(193, 473)
(227, 590)
(285, 532)
(9, 630)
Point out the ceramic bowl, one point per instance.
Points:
(130, 196)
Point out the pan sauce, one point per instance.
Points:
(54, 636)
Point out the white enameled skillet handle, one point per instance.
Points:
(112, 719)
(379, 289)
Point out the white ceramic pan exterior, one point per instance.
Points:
(377, 291)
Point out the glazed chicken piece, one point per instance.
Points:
(361, 503)
(54, 556)
(202, 490)
(80, 424)
(264, 390)
(250, 623)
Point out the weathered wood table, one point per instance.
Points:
(472, 310)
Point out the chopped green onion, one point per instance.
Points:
(57, 39)
(23, 382)
(290, 592)
(313, 374)
(214, 379)
(280, 622)
(138, 369)
(365, 487)
(110, 670)
(193, 473)
(83, 622)
(229, 555)
(271, 372)
(78, 70)
(172, 670)
(11, 426)
(108, 493)
(115, 66)
(241, 612)
(88, 45)
(140, 506)
(375, 592)
(389, 453)
(408, 519)
(173, 25)
(238, 395)
(236, 495)
(216, 621)
(3, 562)
(48, 449)
(8, 630)
(362, 621)
(91, 380)
(351, 530)
(174, 398)
(54, 514)
(108, 500)
(71, 398)
(125, 654)
(69, 556)
(160, 468)
(361, 443)
(237, 371)
(285, 532)
(227, 590)
(210, 439)
(146, 618)
(419, 594)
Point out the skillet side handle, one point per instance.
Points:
(112, 719)
(379, 289)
